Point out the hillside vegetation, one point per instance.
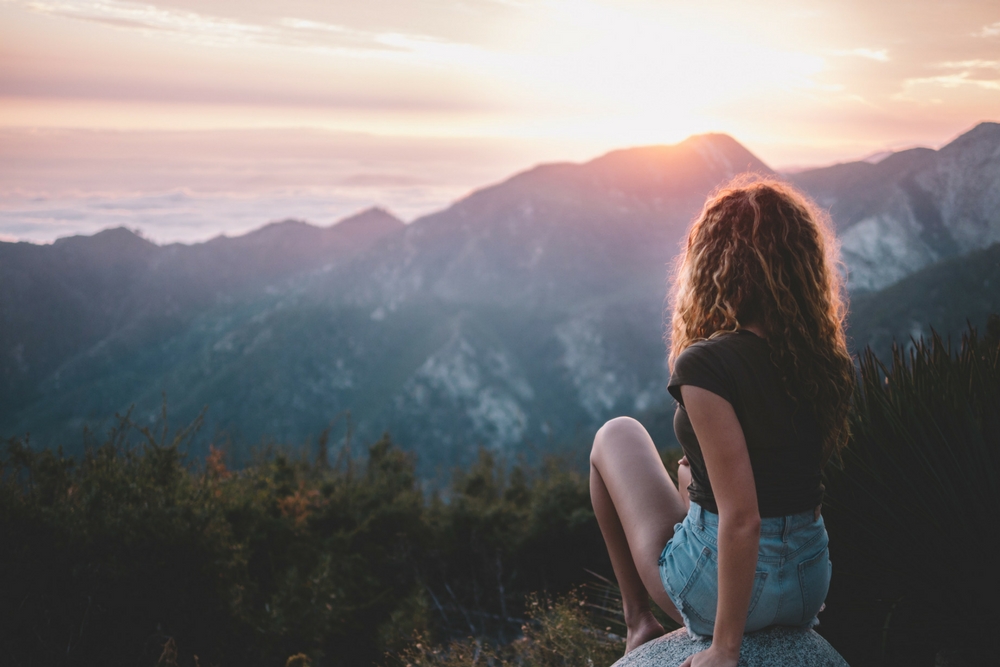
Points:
(106, 557)
(111, 557)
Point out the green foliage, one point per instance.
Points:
(558, 633)
(510, 532)
(912, 508)
(134, 550)
(134, 554)
(563, 634)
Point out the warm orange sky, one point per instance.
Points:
(799, 82)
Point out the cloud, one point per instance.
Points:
(881, 55)
(218, 31)
(955, 80)
(146, 17)
(186, 216)
(61, 182)
(991, 30)
(973, 73)
(317, 33)
(970, 64)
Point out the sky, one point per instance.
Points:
(186, 119)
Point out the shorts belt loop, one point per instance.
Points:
(701, 517)
(787, 528)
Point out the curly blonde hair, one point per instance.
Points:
(761, 252)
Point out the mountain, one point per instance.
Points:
(946, 297)
(84, 294)
(526, 312)
(557, 233)
(518, 319)
(913, 208)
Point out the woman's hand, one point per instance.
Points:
(711, 658)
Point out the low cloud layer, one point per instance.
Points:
(190, 186)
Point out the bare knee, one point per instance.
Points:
(617, 432)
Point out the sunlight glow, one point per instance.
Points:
(604, 73)
(658, 79)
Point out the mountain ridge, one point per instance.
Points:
(517, 318)
(913, 208)
(648, 193)
(62, 299)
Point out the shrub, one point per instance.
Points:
(107, 560)
(913, 506)
(134, 550)
(557, 633)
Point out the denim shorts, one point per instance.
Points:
(789, 587)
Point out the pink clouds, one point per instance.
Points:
(546, 80)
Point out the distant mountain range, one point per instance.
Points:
(913, 208)
(518, 318)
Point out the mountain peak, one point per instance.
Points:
(716, 140)
(986, 126)
(115, 238)
(278, 231)
(720, 139)
(372, 216)
(906, 159)
(985, 133)
(697, 164)
(713, 151)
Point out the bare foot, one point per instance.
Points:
(642, 630)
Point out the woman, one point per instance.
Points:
(762, 378)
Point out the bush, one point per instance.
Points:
(913, 507)
(110, 559)
(503, 534)
(104, 561)
(559, 633)
(133, 554)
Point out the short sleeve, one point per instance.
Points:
(699, 366)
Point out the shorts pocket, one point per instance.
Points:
(814, 582)
(700, 596)
(701, 592)
(759, 581)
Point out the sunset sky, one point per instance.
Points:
(244, 110)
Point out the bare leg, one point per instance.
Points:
(636, 505)
(639, 620)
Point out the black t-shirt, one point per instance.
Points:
(782, 435)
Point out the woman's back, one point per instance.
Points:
(752, 551)
(783, 436)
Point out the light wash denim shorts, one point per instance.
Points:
(789, 587)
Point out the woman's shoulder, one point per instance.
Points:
(723, 342)
(705, 364)
(720, 363)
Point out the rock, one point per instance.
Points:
(771, 647)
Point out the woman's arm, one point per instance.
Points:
(728, 462)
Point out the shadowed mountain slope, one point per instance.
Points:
(946, 296)
(84, 293)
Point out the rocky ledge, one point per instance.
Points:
(771, 647)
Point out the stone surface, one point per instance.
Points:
(772, 647)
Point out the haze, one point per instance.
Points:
(188, 119)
